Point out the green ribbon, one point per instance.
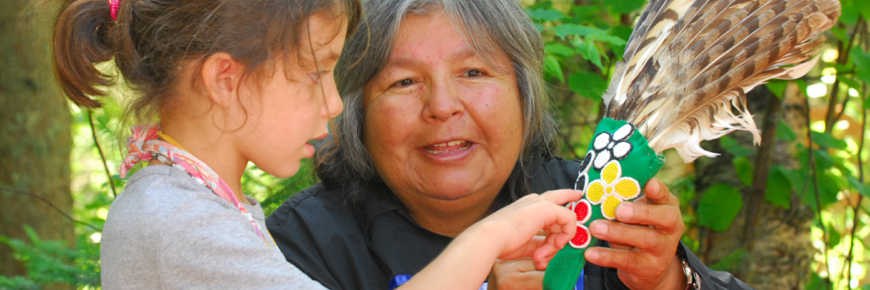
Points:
(641, 164)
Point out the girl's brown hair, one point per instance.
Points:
(151, 38)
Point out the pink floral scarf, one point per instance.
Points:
(146, 144)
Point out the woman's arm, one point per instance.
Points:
(507, 234)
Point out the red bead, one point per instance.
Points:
(581, 239)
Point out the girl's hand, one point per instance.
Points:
(513, 227)
(644, 242)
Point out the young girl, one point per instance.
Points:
(233, 81)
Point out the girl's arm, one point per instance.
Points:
(506, 234)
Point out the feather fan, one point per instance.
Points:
(686, 71)
(690, 61)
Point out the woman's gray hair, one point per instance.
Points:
(491, 27)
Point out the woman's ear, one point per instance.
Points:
(221, 76)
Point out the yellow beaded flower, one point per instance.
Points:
(612, 189)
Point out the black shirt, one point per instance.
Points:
(364, 247)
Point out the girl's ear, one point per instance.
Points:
(221, 76)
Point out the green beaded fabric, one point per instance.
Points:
(615, 169)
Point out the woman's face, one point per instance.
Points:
(441, 124)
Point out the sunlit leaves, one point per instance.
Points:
(719, 206)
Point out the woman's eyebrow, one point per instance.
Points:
(459, 54)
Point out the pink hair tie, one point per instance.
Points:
(114, 5)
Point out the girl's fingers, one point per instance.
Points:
(562, 196)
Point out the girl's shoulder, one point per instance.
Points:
(157, 195)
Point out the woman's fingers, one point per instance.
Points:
(665, 218)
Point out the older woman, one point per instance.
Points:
(447, 121)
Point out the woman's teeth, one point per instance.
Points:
(447, 147)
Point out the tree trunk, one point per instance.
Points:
(34, 132)
(774, 251)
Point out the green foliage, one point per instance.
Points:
(744, 169)
(779, 187)
(719, 206)
(53, 262)
(731, 262)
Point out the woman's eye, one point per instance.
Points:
(403, 83)
(474, 73)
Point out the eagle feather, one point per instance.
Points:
(689, 64)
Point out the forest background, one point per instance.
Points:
(791, 213)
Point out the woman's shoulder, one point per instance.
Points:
(314, 203)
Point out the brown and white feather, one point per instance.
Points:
(689, 63)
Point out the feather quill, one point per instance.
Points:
(689, 63)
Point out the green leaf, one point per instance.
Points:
(587, 84)
(589, 52)
(777, 88)
(828, 189)
(863, 189)
(731, 146)
(624, 6)
(592, 33)
(849, 82)
(828, 141)
(546, 14)
(815, 282)
(719, 206)
(559, 49)
(862, 63)
(744, 169)
(834, 237)
(553, 68)
(573, 29)
(784, 132)
(779, 188)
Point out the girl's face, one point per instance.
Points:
(294, 104)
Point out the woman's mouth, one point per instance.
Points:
(448, 147)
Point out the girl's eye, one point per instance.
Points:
(403, 83)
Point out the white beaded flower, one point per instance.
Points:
(612, 147)
(583, 176)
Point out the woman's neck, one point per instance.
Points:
(450, 217)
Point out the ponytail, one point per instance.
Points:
(81, 40)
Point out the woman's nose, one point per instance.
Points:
(443, 102)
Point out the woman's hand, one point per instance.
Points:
(644, 242)
(516, 225)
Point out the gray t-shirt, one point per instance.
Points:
(165, 231)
